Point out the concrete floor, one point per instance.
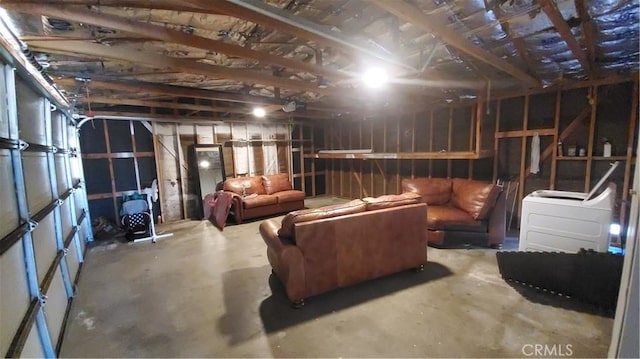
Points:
(206, 293)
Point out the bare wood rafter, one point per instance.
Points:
(435, 25)
(551, 10)
(588, 32)
(158, 32)
(129, 54)
(192, 107)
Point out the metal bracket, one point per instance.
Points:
(65, 251)
(59, 202)
(32, 225)
(22, 145)
(42, 298)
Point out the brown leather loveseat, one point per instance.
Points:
(458, 205)
(260, 196)
(316, 250)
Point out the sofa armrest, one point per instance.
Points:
(286, 260)
(498, 221)
(236, 206)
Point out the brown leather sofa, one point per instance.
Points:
(461, 206)
(260, 196)
(316, 250)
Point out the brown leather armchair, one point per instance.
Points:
(260, 196)
(317, 250)
(458, 205)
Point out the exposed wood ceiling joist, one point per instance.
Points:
(551, 10)
(129, 54)
(170, 35)
(272, 17)
(168, 90)
(193, 107)
(435, 25)
(588, 31)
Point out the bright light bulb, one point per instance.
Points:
(204, 164)
(375, 77)
(614, 229)
(259, 112)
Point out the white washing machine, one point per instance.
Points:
(561, 221)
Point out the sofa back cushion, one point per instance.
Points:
(392, 200)
(434, 191)
(276, 183)
(251, 185)
(305, 215)
(474, 197)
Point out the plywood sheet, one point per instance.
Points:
(4, 120)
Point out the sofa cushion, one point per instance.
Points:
(251, 185)
(259, 200)
(276, 183)
(392, 200)
(289, 196)
(305, 215)
(475, 197)
(434, 191)
(440, 216)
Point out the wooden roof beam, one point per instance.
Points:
(551, 10)
(129, 54)
(193, 107)
(588, 31)
(169, 35)
(182, 91)
(434, 24)
(275, 18)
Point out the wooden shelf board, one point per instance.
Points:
(459, 155)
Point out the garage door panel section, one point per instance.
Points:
(31, 120)
(44, 245)
(33, 346)
(55, 307)
(15, 293)
(61, 174)
(36, 172)
(73, 263)
(9, 219)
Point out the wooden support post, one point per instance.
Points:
(430, 140)
(472, 130)
(358, 178)
(159, 169)
(449, 136)
(397, 151)
(593, 100)
(313, 163)
(301, 149)
(523, 154)
(413, 144)
(114, 195)
(554, 156)
(496, 146)
(633, 119)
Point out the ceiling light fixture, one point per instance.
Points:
(259, 112)
(375, 77)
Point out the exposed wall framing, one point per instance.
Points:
(119, 159)
(580, 117)
(44, 224)
(445, 142)
(249, 149)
